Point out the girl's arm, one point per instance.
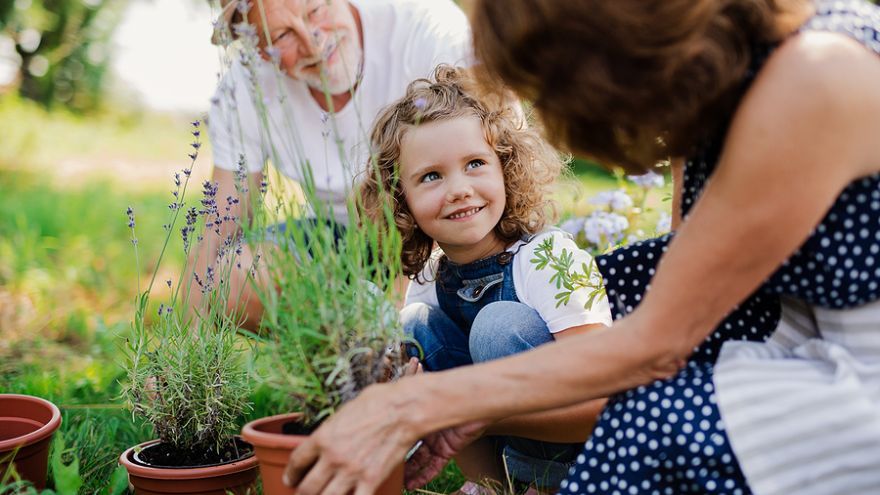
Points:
(800, 136)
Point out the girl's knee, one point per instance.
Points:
(504, 328)
(414, 314)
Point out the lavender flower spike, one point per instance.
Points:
(130, 212)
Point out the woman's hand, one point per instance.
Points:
(356, 448)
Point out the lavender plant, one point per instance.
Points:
(616, 219)
(187, 373)
(331, 324)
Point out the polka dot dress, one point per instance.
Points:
(627, 274)
(668, 437)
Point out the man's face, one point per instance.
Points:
(311, 37)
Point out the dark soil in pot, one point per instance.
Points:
(163, 455)
(299, 428)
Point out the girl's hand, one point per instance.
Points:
(413, 367)
(436, 450)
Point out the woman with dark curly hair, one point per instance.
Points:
(464, 172)
(774, 106)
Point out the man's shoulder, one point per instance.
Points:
(240, 75)
(412, 12)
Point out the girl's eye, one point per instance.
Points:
(474, 164)
(430, 177)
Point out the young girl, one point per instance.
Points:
(468, 175)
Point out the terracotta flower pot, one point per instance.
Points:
(26, 428)
(231, 477)
(273, 449)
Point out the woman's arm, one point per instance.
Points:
(800, 136)
(568, 424)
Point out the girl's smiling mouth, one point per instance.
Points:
(465, 213)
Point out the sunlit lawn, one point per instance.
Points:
(68, 275)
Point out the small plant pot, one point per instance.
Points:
(26, 428)
(236, 477)
(273, 448)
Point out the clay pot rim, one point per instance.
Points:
(41, 433)
(182, 473)
(272, 440)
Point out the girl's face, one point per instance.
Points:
(454, 186)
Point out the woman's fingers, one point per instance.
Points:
(354, 449)
(301, 460)
(339, 485)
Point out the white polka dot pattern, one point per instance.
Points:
(627, 274)
(664, 438)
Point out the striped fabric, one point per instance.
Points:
(802, 411)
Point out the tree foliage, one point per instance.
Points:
(62, 48)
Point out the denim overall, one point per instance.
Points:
(480, 318)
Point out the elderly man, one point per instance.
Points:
(340, 61)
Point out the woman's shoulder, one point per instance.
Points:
(820, 64)
(816, 83)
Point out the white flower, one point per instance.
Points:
(617, 200)
(664, 224)
(649, 180)
(602, 228)
(573, 226)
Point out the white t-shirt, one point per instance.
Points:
(533, 287)
(403, 40)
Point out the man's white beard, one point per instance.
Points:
(341, 75)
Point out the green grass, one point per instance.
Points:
(67, 277)
(39, 137)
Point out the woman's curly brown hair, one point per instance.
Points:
(529, 164)
(627, 82)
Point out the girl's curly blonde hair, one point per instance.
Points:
(529, 165)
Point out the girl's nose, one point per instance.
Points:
(459, 190)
